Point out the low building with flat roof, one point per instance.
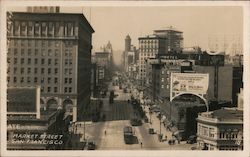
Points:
(220, 129)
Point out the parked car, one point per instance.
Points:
(145, 119)
(151, 131)
(192, 139)
(135, 122)
(91, 146)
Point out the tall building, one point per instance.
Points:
(174, 39)
(150, 47)
(52, 50)
(127, 43)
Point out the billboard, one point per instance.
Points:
(193, 83)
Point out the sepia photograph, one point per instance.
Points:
(126, 77)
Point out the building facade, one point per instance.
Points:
(174, 39)
(220, 130)
(52, 50)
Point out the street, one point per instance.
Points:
(118, 115)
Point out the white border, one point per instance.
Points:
(77, 3)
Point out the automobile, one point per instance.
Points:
(145, 119)
(151, 131)
(156, 110)
(135, 122)
(192, 139)
(91, 145)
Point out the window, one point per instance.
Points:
(51, 27)
(22, 70)
(35, 79)
(22, 60)
(49, 79)
(56, 52)
(49, 61)
(30, 28)
(55, 89)
(16, 28)
(22, 79)
(35, 70)
(29, 70)
(42, 80)
(162, 79)
(57, 29)
(43, 43)
(162, 86)
(36, 52)
(56, 70)
(14, 80)
(29, 60)
(36, 60)
(15, 60)
(49, 70)
(69, 29)
(65, 89)
(49, 89)
(44, 29)
(15, 51)
(65, 80)
(36, 43)
(56, 61)
(70, 61)
(29, 52)
(70, 80)
(22, 42)
(23, 28)
(37, 28)
(70, 89)
(28, 79)
(42, 61)
(66, 62)
(43, 52)
(57, 44)
(22, 52)
(42, 70)
(70, 71)
(49, 52)
(55, 80)
(15, 70)
(65, 71)
(42, 89)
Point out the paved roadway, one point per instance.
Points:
(118, 115)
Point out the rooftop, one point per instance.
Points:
(225, 114)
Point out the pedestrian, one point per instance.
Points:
(141, 144)
(105, 132)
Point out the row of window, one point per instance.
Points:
(35, 52)
(146, 54)
(36, 43)
(228, 135)
(42, 61)
(49, 89)
(36, 60)
(44, 29)
(149, 41)
(42, 80)
(67, 71)
(151, 46)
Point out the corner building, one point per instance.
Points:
(52, 50)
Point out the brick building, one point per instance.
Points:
(52, 50)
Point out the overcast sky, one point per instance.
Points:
(199, 24)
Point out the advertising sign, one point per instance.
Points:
(193, 83)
